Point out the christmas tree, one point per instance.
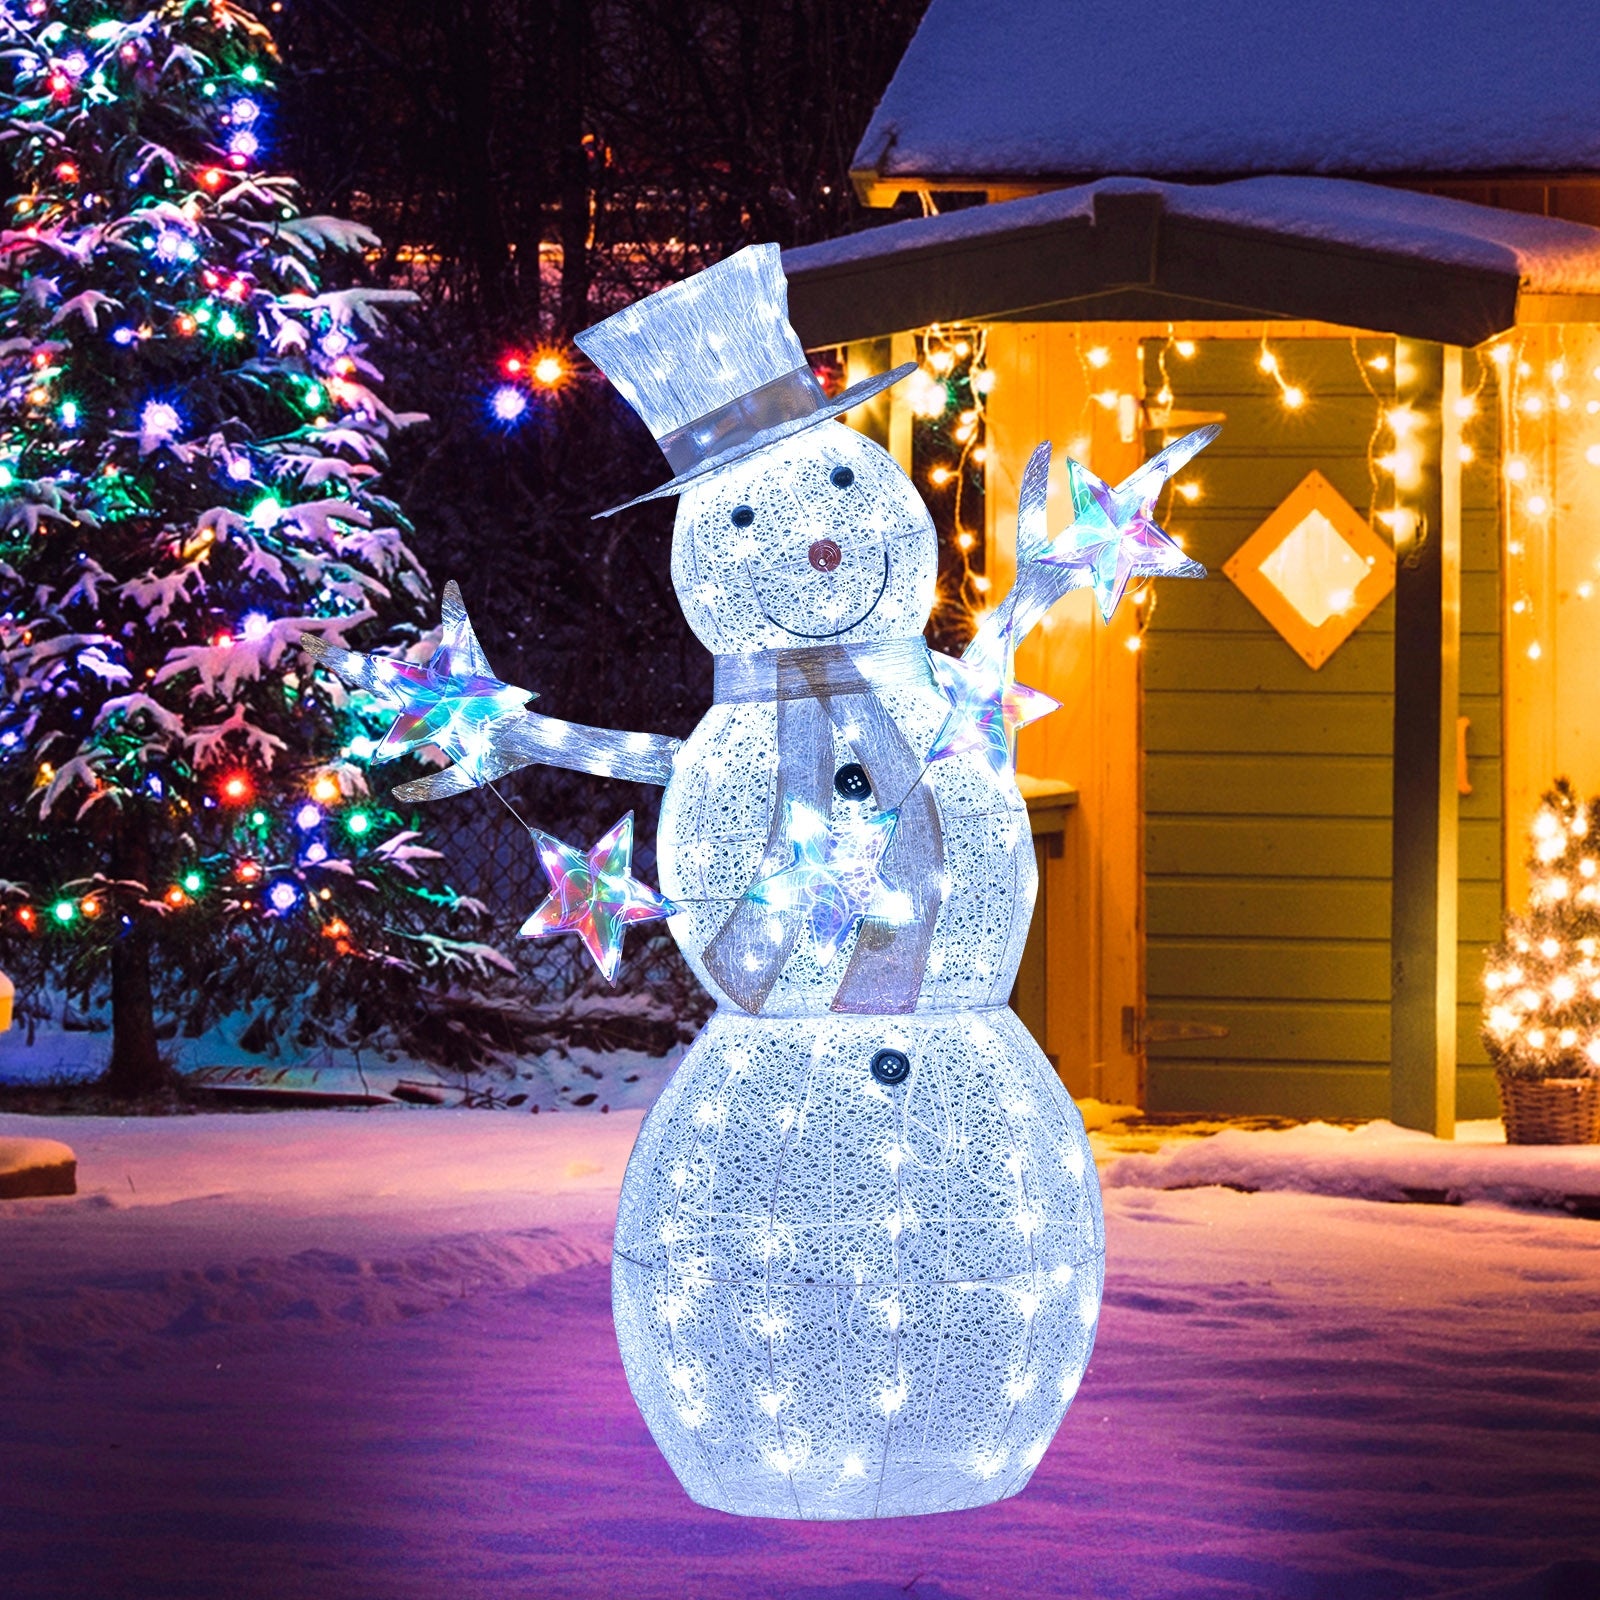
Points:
(1542, 982)
(190, 436)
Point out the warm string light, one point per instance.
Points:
(948, 396)
(1291, 395)
(1184, 350)
(1393, 462)
(1541, 1016)
(1550, 429)
(1158, 414)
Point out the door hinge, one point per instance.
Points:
(1140, 1032)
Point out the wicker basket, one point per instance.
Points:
(1550, 1110)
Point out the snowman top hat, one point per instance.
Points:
(714, 369)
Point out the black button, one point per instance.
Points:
(891, 1066)
(843, 477)
(852, 782)
(741, 516)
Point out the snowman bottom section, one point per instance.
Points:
(858, 1263)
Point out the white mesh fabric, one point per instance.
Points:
(837, 1298)
(754, 587)
(700, 344)
(714, 822)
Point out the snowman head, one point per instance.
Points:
(820, 539)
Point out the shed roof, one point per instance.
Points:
(1324, 249)
(1041, 91)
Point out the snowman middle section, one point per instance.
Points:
(722, 823)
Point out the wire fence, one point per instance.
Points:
(490, 857)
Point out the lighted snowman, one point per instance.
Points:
(859, 1249)
(858, 1253)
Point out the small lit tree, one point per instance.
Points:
(190, 435)
(1542, 981)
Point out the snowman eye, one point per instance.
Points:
(741, 516)
(842, 477)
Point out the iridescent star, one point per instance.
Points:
(594, 896)
(1113, 537)
(833, 877)
(453, 702)
(987, 704)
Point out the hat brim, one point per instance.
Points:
(847, 401)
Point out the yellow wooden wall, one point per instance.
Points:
(1269, 784)
(1093, 893)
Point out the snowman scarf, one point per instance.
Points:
(818, 690)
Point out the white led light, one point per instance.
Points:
(931, 1250)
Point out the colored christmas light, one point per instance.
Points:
(325, 788)
(103, 407)
(265, 514)
(307, 818)
(508, 405)
(159, 422)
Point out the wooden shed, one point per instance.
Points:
(1282, 809)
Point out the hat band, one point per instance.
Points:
(790, 398)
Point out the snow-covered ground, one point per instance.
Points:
(1376, 1161)
(369, 1354)
(50, 1054)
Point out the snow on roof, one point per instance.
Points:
(1023, 89)
(1549, 256)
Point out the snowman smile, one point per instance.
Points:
(825, 592)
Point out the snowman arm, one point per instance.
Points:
(530, 739)
(1037, 588)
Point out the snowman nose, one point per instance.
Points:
(824, 555)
